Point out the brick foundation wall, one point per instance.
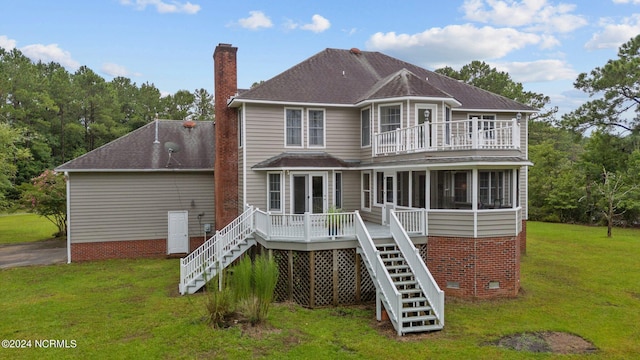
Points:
(523, 238)
(129, 249)
(475, 263)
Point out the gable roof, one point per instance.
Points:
(177, 148)
(349, 77)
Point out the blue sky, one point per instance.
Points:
(544, 44)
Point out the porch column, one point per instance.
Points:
(474, 199)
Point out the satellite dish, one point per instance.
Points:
(171, 147)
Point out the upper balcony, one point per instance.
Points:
(472, 134)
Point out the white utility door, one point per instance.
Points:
(178, 239)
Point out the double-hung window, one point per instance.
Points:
(275, 192)
(390, 118)
(316, 128)
(366, 191)
(293, 124)
(365, 127)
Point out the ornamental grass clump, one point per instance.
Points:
(254, 285)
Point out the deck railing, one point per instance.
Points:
(453, 135)
(305, 227)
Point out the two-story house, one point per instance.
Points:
(408, 152)
(366, 177)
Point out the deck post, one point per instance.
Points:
(268, 229)
(307, 227)
(474, 133)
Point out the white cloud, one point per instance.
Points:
(256, 20)
(6, 43)
(538, 71)
(318, 24)
(536, 15)
(454, 44)
(626, 1)
(164, 7)
(48, 53)
(614, 34)
(115, 70)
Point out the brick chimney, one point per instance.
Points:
(226, 135)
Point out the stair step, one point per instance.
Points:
(418, 318)
(422, 328)
(397, 267)
(405, 282)
(416, 309)
(414, 299)
(410, 291)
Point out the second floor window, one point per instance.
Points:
(293, 133)
(365, 127)
(390, 118)
(316, 128)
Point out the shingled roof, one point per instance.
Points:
(349, 77)
(308, 160)
(177, 148)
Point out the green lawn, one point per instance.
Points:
(15, 228)
(574, 279)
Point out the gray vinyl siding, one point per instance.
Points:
(497, 223)
(135, 206)
(451, 223)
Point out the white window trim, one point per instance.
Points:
(282, 204)
(370, 127)
(362, 195)
(335, 183)
(324, 128)
(381, 106)
(301, 128)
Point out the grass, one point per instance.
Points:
(16, 228)
(574, 279)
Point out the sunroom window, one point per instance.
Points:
(494, 189)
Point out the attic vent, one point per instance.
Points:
(356, 51)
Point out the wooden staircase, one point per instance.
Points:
(204, 263)
(416, 314)
(211, 270)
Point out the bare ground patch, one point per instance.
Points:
(547, 342)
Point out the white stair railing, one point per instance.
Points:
(212, 251)
(423, 276)
(380, 275)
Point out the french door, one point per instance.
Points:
(309, 192)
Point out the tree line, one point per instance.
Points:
(586, 163)
(49, 115)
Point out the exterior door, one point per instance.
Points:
(309, 193)
(389, 197)
(178, 238)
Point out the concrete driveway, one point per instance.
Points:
(45, 252)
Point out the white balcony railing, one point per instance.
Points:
(453, 135)
(305, 227)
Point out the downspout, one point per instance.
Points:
(244, 156)
(66, 175)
